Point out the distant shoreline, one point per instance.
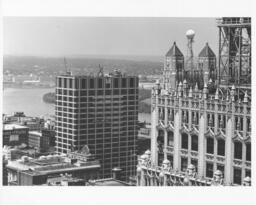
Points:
(144, 100)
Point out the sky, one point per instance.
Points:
(67, 36)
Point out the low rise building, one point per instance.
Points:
(19, 118)
(65, 180)
(107, 182)
(39, 141)
(50, 134)
(29, 171)
(14, 134)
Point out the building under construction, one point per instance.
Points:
(201, 114)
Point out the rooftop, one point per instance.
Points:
(35, 133)
(115, 73)
(108, 182)
(207, 52)
(49, 164)
(63, 178)
(174, 51)
(13, 126)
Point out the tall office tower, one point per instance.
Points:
(101, 112)
(201, 135)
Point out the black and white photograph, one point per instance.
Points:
(135, 101)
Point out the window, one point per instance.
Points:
(170, 158)
(247, 173)
(107, 92)
(248, 151)
(248, 125)
(100, 92)
(210, 145)
(100, 83)
(170, 139)
(124, 82)
(160, 159)
(194, 142)
(184, 141)
(209, 169)
(237, 176)
(221, 147)
(115, 82)
(91, 83)
(195, 163)
(59, 82)
(131, 82)
(238, 150)
(221, 167)
(184, 164)
(84, 83)
(70, 83)
(65, 83)
(76, 83)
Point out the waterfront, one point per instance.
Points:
(30, 101)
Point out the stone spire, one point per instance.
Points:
(174, 51)
(196, 88)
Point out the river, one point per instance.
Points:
(30, 101)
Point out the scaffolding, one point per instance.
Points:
(235, 53)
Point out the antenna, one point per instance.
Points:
(100, 73)
(66, 66)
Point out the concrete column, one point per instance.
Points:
(154, 132)
(165, 180)
(229, 152)
(165, 131)
(216, 119)
(176, 156)
(244, 121)
(243, 159)
(142, 178)
(152, 181)
(165, 143)
(138, 181)
(201, 144)
(190, 115)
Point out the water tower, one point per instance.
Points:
(190, 34)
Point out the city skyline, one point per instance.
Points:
(198, 126)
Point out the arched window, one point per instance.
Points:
(237, 176)
(221, 147)
(209, 169)
(248, 151)
(170, 139)
(210, 145)
(184, 164)
(160, 140)
(238, 150)
(184, 141)
(194, 142)
(160, 133)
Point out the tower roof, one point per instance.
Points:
(174, 51)
(206, 52)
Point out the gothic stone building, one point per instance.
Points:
(201, 115)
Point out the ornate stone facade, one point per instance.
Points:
(200, 128)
